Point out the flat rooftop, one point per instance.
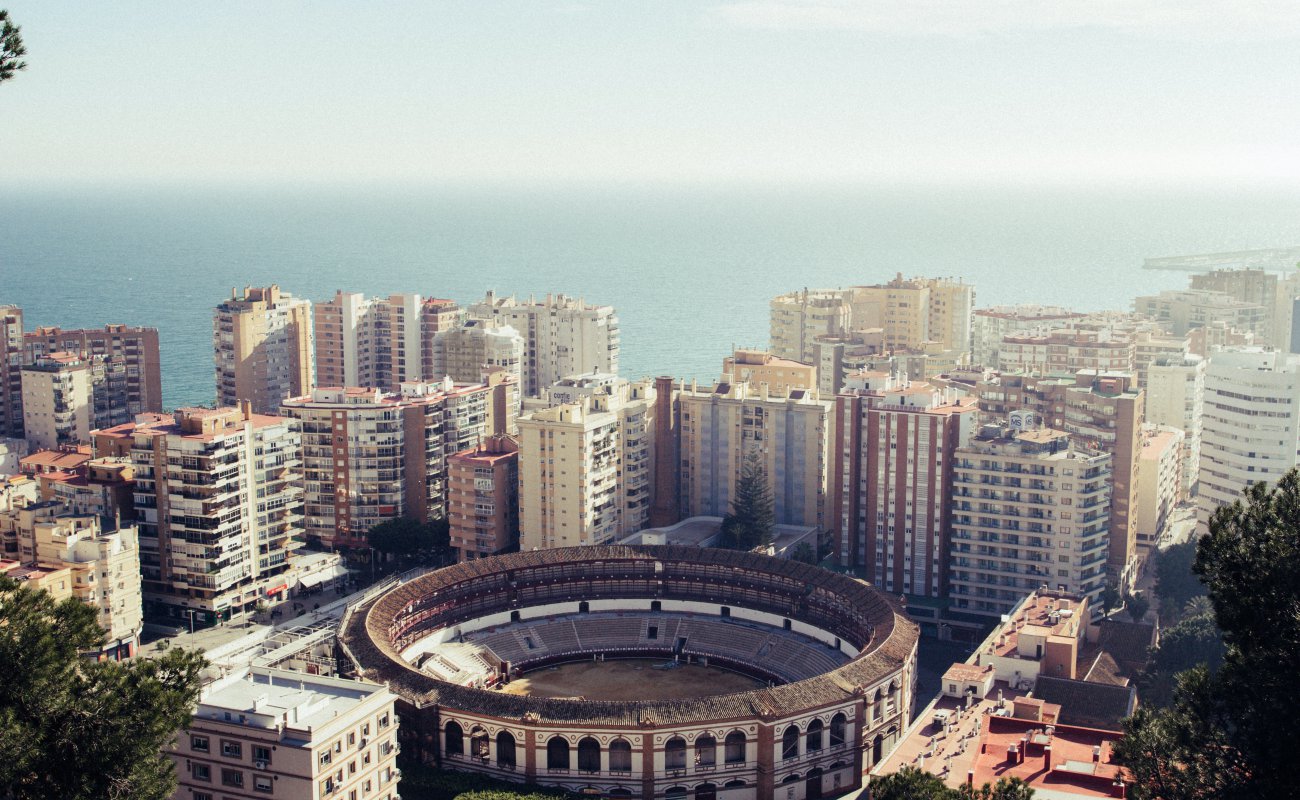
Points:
(267, 698)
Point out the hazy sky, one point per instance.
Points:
(766, 90)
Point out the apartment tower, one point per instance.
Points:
(1029, 509)
(370, 456)
(563, 336)
(218, 497)
(131, 368)
(724, 424)
(891, 479)
(58, 408)
(1251, 431)
(586, 469)
(483, 498)
(262, 341)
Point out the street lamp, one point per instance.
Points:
(190, 612)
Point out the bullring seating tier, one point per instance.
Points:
(785, 656)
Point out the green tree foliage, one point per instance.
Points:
(1230, 734)
(1176, 583)
(11, 48)
(1192, 642)
(1137, 605)
(1110, 598)
(750, 522)
(79, 729)
(910, 783)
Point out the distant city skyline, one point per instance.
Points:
(761, 90)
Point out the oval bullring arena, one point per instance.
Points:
(644, 671)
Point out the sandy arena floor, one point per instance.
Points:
(634, 679)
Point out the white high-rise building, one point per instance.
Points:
(1251, 430)
(219, 498)
(1175, 396)
(564, 336)
(586, 469)
(989, 325)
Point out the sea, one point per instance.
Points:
(690, 269)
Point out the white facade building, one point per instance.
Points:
(1251, 431)
(564, 336)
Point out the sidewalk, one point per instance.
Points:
(205, 639)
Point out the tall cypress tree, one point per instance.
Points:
(752, 517)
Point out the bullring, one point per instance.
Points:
(835, 657)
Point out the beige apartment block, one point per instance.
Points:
(58, 409)
(370, 456)
(1160, 482)
(1175, 397)
(483, 498)
(1251, 431)
(909, 312)
(722, 425)
(1029, 509)
(837, 357)
(263, 350)
(758, 367)
(990, 325)
(1182, 310)
(1101, 411)
(798, 319)
(891, 478)
(103, 564)
(468, 351)
(586, 469)
(563, 336)
(1276, 293)
(131, 369)
(279, 734)
(218, 498)
(1060, 352)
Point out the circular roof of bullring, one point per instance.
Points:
(886, 637)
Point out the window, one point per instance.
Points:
(325, 757)
(557, 754)
(199, 744)
(200, 796)
(231, 749)
(620, 756)
(506, 750)
(588, 755)
(675, 753)
(814, 735)
(706, 751)
(734, 746)
(201, 772)
(261, 753)
(262, 783)
(790, 742)
(383, 721)
(455, 739)
(232, 777)
(837, 729)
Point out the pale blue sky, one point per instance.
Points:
(768, 90)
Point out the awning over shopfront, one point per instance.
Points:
(325, 575)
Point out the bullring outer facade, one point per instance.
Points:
(833, 660)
